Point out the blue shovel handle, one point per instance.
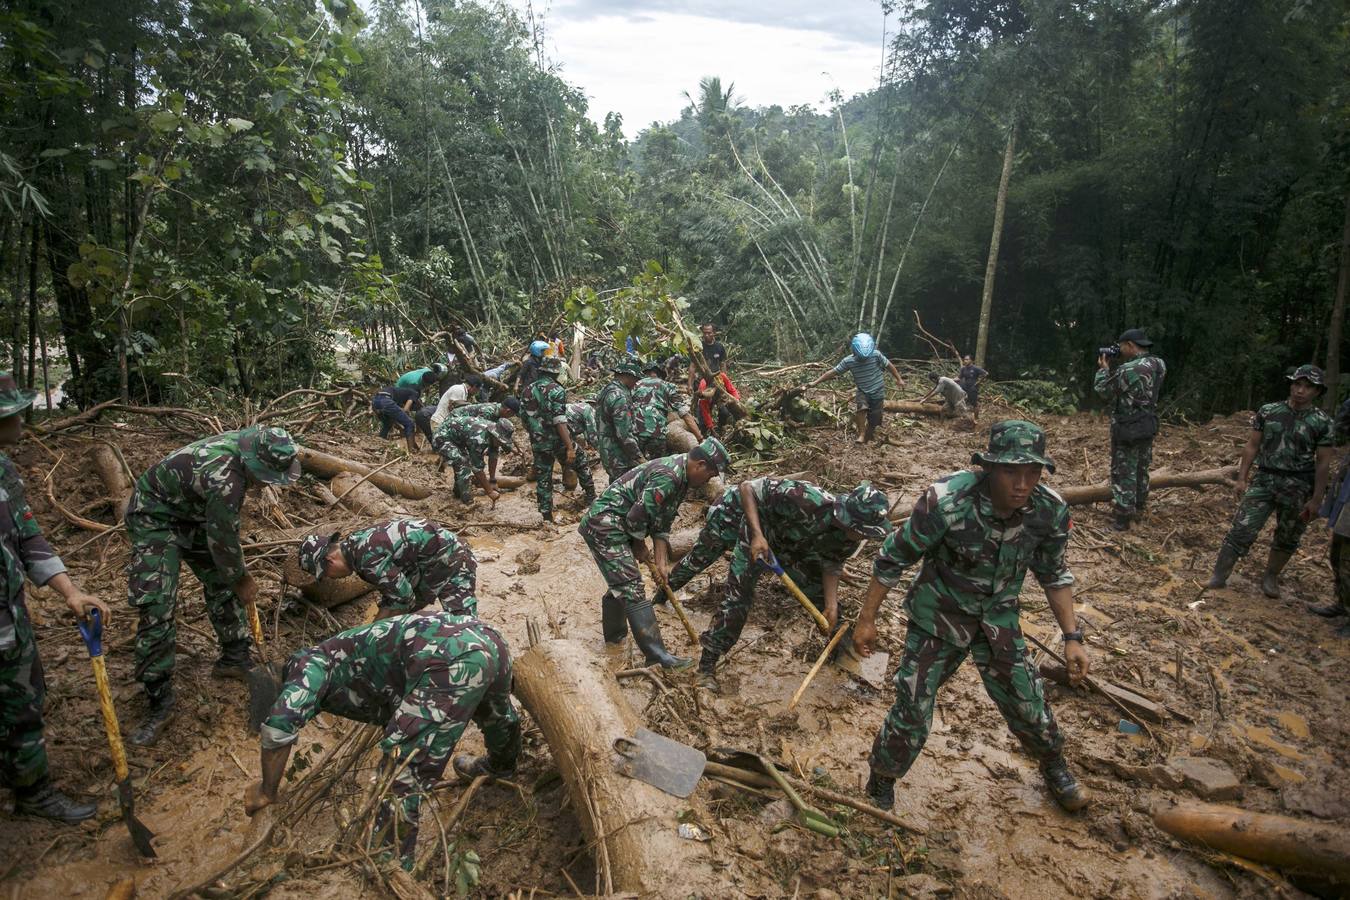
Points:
(91, 630)
(772, 564)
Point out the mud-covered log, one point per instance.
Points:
(325, 465)
(631, 828)
(114, 477)
(681, 542)
(679, 439)
(1314, 848)
(914, 408)
(361, 497)
(327, 593)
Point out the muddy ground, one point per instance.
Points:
(1263, 682)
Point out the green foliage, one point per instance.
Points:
(1038, 392)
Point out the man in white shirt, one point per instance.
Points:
(951, 393)
(429, 418)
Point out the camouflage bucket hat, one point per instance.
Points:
(269, 454)
(864, 510)
(313, 549)
(504, 431)
(714, 452)
(551, 364)
(653, 365)
(1015, 442)
(628, 366)
(13, 399)
(1308, 373)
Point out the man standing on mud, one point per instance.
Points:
(968, 377)
(27, 555)
(614, 413)
(810, 532)
(552, 439)
(423, 679)
(413, 563)
(642, 503)
(975, 534)
(869, 366)
(1290, 443)
(1132, 390)
(186, 509)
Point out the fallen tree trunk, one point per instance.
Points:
(114, 477)
(679, 439)
(914, 408)
(631, 827)
(325, 465)
(327, 593)
(1314, 848)
(361, 497)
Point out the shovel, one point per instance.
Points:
(92, 632)
(679, 610)
(264, 681)
(669, 765)
(868, 669)
(808, 817)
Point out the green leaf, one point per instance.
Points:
(164, 121)
(238, 125)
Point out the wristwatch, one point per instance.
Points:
(1073, 636)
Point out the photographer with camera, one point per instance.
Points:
(1132, 390)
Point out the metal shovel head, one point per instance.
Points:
(871, 670)
(669, 765)
(140, 835)
(264, 685)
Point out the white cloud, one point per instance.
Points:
(638, 63)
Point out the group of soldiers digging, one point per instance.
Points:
(427, 665)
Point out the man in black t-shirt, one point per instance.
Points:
(714, 354)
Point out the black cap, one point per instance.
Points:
(1135, 336)
(512, 404)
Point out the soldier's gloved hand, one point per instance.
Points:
(1076, 658)
(864, 636)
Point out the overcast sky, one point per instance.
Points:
(637, 57)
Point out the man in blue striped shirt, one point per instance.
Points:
(868, 365)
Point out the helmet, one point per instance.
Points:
(537, 348)
(863, 345)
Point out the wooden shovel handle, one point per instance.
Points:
(829, 648)
(805, 601)
(105, 705)
(254, 623)
(679, 610)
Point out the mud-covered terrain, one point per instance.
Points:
(1257, 687)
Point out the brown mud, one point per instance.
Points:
(1263, 682)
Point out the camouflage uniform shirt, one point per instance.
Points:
(1290, 438)
(653, 400)
(581, 422)
(489, 411)
(614, 414)
(201, 486)
(1130, 388)
(973, 562)
(797, 518)
(642, 503)
(544, 409)
(26, 551)
(414, 562)
(470, 436)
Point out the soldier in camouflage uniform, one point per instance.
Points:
(614, 414)
(810, 531)
(470, 448)
(721, 528)
(23, 751)
(1290, 443)
(639, 504)
(413, 563)
(1132, 390)
(1337, 500)
(552, 438)
(421, 677)
(509, 407)
(654, 399)
(186, 509)
(976, 533)
(581, 423)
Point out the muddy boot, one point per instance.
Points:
(613, 622)
(1063, 786)
(1120, 522)
(45, 801)
(1223, 567)
(163, 705)
(235, 661)
(880, 791)
(1270, 581)
(548, 517)
(659, 597)
(647, 633)
(1326, 610)
(707, 672)
(589, 496)
(469, 767)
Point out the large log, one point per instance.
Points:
(632, 828)
(325, 465)
(914, 408)
(361, 497)
(114, 477)
(679, 439)
(1315, 848)
(327, 593)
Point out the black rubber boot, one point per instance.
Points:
(1120, 522)
(1270, 581)
(707, 672)
(647, 633)
(163, 706)
(659, 597)
(1330, 610)
(235, 661)
(45, 801)
(1223, 567)
(880, 791)
(548, 517)
(469, 767)
(1063, 786)
(589, 496)
(613, 622)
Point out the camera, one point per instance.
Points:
(1109, 352)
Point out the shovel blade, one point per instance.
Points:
(871, 670)
(264, 684)
(140, 835)
(657, 760)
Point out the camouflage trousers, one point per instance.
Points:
(609, 546)
(720, 531)
(1283, 495)
(1008, 678)
(614, 458)
(23, 752)
(1340, 568)
(543, 473)
(725, 628)
(421, 732)
(152, 589)
(457, 461)
(1130, 462)
(653, 446)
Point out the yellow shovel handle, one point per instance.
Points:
(105, 704)
(679, 611)
(254, 623)
(806, 603)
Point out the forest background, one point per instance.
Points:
(205, 200)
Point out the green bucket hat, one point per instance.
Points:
(864, 510)
(269, 454)
(653, 365)
(1015, 442)
(503, 431)
(713, 451)
(313, 549)
(1305, 373)
(13, 399)
(627, 366)
(551, 364)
